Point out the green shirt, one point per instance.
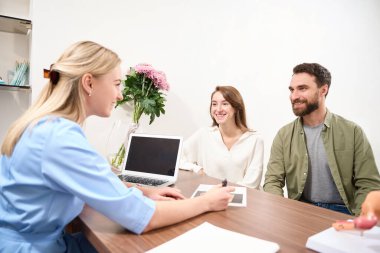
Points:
(349, 156)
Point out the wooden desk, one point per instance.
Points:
(286, 222)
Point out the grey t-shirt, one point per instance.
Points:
(320, 186)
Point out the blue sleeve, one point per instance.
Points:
(71, 165)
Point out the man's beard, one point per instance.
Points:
(310, 107)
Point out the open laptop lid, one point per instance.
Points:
(153, 156)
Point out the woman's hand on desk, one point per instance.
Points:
(166, 193)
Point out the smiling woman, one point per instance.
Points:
(228, 149)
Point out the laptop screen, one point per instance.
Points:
(153, 154)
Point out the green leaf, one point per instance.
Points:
(151, 119)
(157, 112)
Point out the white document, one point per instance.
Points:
(239, 199)
(209, 238)
(331, 240)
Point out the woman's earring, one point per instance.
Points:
(89, 94)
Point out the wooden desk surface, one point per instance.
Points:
(286, 222)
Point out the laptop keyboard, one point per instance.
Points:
(142, 180)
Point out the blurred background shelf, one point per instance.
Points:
(14, 25)
(15, 41)
(14, 88)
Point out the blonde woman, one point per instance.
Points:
(228, 149)
(49, 170)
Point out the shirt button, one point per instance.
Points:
(304, 173)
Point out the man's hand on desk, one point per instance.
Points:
(371, 205)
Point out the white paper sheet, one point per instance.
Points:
(209, 238)
(239, 199)
(331, 240)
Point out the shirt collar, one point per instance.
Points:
(328, 118)
(327, 121)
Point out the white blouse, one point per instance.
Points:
(242, 164)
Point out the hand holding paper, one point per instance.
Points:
(239, 194)
(219, 197)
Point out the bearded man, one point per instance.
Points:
(323, 158)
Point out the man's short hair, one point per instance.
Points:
(322, 75)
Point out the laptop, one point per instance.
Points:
(152, 160)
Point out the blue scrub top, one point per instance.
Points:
(52, 172)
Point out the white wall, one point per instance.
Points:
(252, 45)
(15, 8)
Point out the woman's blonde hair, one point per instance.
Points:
(63, 95)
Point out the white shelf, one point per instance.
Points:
(14, 25)
(14, 88)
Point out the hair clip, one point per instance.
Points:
(46, 73)
(54, 76)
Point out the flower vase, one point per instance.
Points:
(116, 157)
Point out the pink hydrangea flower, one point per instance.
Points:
(159, 80)
(158, 77)
(144, 68)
